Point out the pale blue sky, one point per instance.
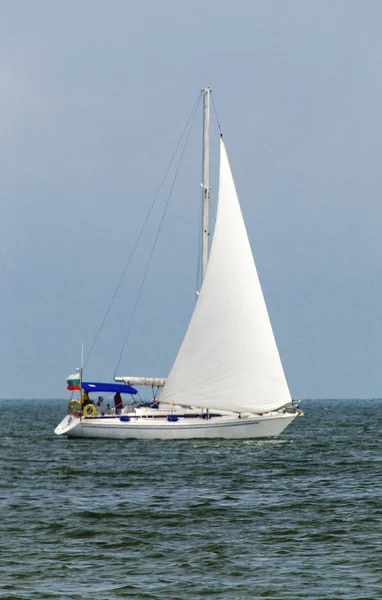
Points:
(93, 97)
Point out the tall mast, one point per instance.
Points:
(206, 178)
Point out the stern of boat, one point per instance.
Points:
(67, 424)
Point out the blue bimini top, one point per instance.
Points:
(94, 386)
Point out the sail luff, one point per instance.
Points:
(229, 359)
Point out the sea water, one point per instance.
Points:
(288, 518)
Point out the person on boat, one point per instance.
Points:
(154, 403)
(99, 401)
(118, 404)
(85, 399)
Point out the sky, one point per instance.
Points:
(94, 96)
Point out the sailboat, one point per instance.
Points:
(227, 380)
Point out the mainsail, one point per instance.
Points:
(229, 359)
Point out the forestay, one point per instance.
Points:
(229, 359)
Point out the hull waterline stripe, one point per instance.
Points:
(171, 427)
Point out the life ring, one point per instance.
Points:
(92, 409)
(74, 408)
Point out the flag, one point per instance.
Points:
(73, 382)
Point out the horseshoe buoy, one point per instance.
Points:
(74, 408)
(90, 408)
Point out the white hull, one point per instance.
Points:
(225, 427)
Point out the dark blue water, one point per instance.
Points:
(298, 517)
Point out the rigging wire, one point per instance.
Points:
(190, 118)
(217, 116)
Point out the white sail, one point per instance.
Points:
(229, 359)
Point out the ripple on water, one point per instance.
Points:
(289, 518)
